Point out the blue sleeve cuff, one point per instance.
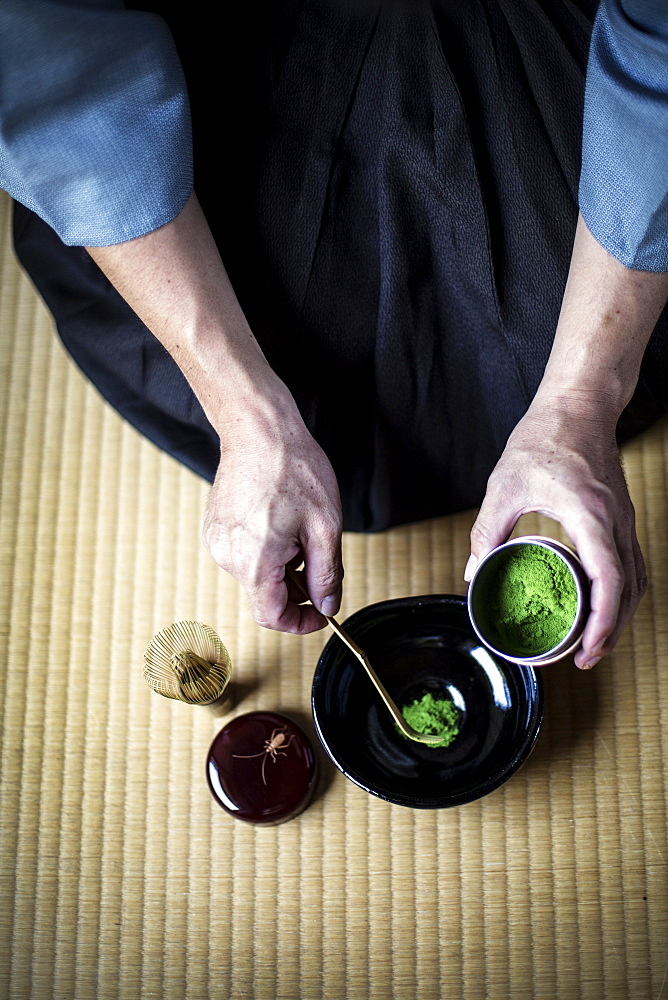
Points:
(624, 180)
(94, 121)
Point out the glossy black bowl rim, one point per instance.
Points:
(521, 756)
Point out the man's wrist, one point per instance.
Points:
(600, 404)
(238, 406)
(231, 378)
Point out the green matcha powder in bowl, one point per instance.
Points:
(433, 716)
(528, 600)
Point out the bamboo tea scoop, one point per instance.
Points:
(407, 730)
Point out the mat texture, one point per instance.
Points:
(121, 878)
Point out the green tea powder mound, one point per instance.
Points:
(532, 601)
(433, 717)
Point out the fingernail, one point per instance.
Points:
(330, 605)
(590, 663)
(470, 567)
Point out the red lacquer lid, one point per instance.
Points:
(261, 768)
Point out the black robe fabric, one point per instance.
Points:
(393, 188)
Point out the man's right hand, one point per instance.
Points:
(275, 501)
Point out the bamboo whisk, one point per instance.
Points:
(187, 661)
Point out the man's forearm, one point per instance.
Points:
(562, 458)
(275, 497)
(607, 318)
(175, 281)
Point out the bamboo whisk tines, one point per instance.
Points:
(188, 662)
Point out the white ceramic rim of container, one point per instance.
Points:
(571, 640)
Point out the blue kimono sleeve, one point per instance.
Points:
(624, 179)
(94, 118)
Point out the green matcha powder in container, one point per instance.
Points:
(529, 599)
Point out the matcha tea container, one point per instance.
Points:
(479, 600)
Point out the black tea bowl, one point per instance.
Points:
(419, 645)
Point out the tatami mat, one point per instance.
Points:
(120, 876)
